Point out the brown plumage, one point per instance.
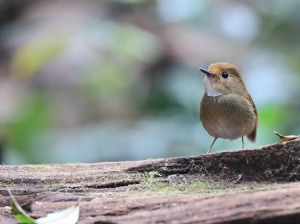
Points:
(227, 109)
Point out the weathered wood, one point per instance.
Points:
(113, 192)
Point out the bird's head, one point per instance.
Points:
(223, 78)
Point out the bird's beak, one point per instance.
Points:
(206, 71)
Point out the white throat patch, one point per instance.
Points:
(210, 90)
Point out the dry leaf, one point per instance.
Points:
(285, 138)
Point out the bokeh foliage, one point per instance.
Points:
(88, 81)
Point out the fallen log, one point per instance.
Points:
(174, 190)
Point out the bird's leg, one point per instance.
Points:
(243, 141)
(212, 145)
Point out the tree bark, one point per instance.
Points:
(114, 192)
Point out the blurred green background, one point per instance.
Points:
(91, 80)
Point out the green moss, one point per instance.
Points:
(41, 169)
(74, 165)
(155, 185)
(7, 183)
(41, 182)
(35, 169)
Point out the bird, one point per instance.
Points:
(227, 110)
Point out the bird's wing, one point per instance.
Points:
(252, 136)
(248, 97)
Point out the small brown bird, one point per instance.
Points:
(227, 109)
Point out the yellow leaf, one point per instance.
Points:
(285, 138)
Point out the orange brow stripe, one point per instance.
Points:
(216, 71)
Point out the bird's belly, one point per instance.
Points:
(226, 119)
(223, 128)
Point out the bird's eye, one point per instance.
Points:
(225, 75)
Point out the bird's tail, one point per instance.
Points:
(252, 136)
